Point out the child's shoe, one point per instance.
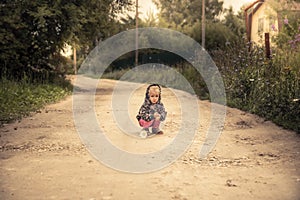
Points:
(157, 131)
(144, 133)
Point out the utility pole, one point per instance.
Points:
(136, 32)
(203, 24)
(74, 60)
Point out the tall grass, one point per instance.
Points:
(267, 87)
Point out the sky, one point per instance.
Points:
(147, 5)
(236, 4)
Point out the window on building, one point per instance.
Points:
(260, 28)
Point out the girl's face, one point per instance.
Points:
(154, 96)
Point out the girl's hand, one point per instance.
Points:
(157, 116)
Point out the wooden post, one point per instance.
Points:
(136, 33)
(267, 45)
(203, 24)
(74, 60)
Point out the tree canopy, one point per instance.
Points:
(186, 12)
(32, 33)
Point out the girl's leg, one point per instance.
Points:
(156, 124)
(155, 127)
(145, 124)
(153, 123)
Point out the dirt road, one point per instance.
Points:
(42, 157)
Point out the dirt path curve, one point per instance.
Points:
(42, 157)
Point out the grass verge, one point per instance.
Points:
(19, 99)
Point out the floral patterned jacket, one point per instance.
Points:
(148, 109)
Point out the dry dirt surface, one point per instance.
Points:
(43, 157)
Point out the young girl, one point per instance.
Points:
(152, 112)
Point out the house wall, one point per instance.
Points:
(262, 20)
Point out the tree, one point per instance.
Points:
(181, 13)
(32, 33)
(217, 35)
(235, 22)
(150, 20)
